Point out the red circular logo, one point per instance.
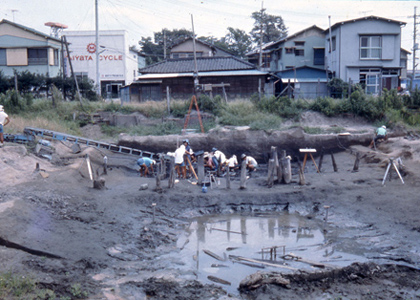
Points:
(91, 48)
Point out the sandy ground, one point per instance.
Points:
(110, 243)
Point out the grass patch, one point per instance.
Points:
(18, 287)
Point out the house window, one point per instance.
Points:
(37, 57)
(278, 54)
(370, 47)
(56, 57)
(299, 43)
(289, 50)
(319, 56)
(3, 60)
(299, 52)
(370, 78)
(332, 44)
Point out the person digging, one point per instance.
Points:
(380, 135)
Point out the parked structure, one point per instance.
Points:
(366, 51)
(26, 49)
(118, 64)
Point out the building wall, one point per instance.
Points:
(188, 47)
(347, 53)
(15, 42)
(311, 38)
(117, 64)
(183, 88)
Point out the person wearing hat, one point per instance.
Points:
(220, 156)
(4, 120)
(251, 163)
(380, 134)
(145, 164)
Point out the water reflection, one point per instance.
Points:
(215, 242)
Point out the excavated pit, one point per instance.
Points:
(224, 249)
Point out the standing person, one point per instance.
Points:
(380, 133)
(251, 163)
(180, 167)
(145, 164)
(188, 159)
(4, 120)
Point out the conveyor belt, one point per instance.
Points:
(30, 131)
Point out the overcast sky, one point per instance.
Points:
(211, 17)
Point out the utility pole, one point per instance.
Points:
(164, 43)
(261, 36)
(98, 81)
(415, 45)
(260, 57)
(414, 41)
(195, 58)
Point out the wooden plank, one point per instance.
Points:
(234, 257)
(214, 255)
(307, 150)
(218, 280)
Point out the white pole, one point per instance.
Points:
(98, 82)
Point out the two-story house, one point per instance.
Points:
(185, 49)
(367, 51)
(298, 61)
(25, 49)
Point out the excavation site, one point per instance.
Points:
(340, 220)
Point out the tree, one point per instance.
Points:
(237, 41)
(271, 27)
(154, 50)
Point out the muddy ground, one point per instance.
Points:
(57, 228)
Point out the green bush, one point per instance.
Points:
(325, 105)
(207, 104)
(13, 102)
(179, 108)
(283, 106)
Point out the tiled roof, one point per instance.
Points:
(204, 64)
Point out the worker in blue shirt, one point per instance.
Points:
(380, 134)
(145, 164)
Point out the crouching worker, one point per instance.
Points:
(145, 164)
(380, 134)
(251, 163)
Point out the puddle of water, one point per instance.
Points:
(211, 242)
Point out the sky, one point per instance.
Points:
(141, 18)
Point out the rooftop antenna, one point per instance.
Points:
(56, 28)
(13, 13)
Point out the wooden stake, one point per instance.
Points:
(228, 178)
(270, 177)
(321, 158)
(356, 163)
(200, 169)
(287, 169)
(243, 175)
(333, 162)
(171, 181)
(301, 174)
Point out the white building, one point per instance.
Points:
(118, 65)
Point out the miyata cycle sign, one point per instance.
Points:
(91, 55)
